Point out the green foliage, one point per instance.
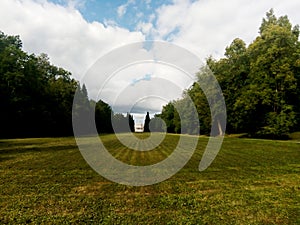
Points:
(36, 97)
(260, 83)
(279, 125)
(273, 76)
(168, 114)
(103, 113)
(202, 107)
(186, 117)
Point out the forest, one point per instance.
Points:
(260, 84)
(37, 97)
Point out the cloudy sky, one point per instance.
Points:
(77, 33)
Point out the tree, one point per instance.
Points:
(232, 74)
(131, 122)
(103, 113)
(83, 112)
(157, 124)
(147, 122)
(120, 123)
(202, 107)
(36, 97)
(260, 84)
(272, 74)
(213, 94)
(167, 115)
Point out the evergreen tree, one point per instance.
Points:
(147, 122)
(131, 122)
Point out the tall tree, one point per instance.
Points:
(167, 114)
(147, 122)
(103, 114)
(232, 74)
(202, 107)
(131, 122)
(273, 85)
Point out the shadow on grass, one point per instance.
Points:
(24, 149)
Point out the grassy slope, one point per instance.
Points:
(250, 182)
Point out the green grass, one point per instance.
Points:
(46, 181)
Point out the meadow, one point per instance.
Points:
(47, 181)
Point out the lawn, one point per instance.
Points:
(47, 181)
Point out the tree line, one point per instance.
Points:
(260, 84)
(36, 97)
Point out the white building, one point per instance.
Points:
(139, 128)
(139, 123)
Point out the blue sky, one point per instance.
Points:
(107, 10)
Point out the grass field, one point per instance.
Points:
(46, 181)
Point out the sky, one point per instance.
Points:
(75, 34)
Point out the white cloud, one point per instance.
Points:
(170, 17)
(207, 27)
(145, 28)
(122, 9)
(76, 4)
(70, 41)
(139, 71)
